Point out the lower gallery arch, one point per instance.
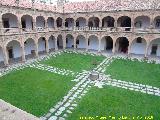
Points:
(138, 46)
(107, 44)
(51, 43)
(29, 47)
(69, 41)
(81, 42)
(154, 47)
(59, 42)
(122, 44)
(14, 51)
(93, 43)
(1, 57)
(41, 45)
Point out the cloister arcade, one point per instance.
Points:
(32, 47)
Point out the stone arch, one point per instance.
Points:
(69, 41)
(157, 22)
(52, 43)
(93, 22)
(59, 41)
(122, 44)
(69, 22)
(81, 22)
(81, 42)
(50, 22)
(40, 23)
(107, 43)
(142, 22)
(29, 48)
(41, 45)
(124, 21)
(138, 46)
(14, 51)
(2, 59)
(10, 22)
(27, 22)
(154, 47)
(59, 22)
(108, 21)
(93, 42)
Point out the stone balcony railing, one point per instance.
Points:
(8, 31)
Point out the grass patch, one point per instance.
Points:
(110, 101)
(134, 71)
(33, 90)
(74, 62)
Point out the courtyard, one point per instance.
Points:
(58, 86)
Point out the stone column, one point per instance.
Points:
(19, 24)
(64, 41)
(23, 53)
(114, 47)
(115, 23)
(100, 23)
(132, 24)
(86, 44)
(129, 48)
(34, 24)
(56, 47)
(47, 47)
(36, 49)
(1, 25)
(87, 24)
(99, 49)
(5, 54)
(146, 51)
(75, 46)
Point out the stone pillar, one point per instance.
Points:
(75, 45)
(1, 25)
(115, 23)
(19, 24)
(100, 23)
(23, 53)
(64, 41)
(36, 49)
(5, 54)
(34, 24)
(132, 24)
(87, 24)
(129, 48)
(99, 49)
(114, 47)
(47, 47)
(87, 44)
(146, 51)
(56, 47)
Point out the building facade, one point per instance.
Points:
(27, 32)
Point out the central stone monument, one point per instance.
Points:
(94, 75)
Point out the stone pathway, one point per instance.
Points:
(107, 80)
(53, 69)
(69, 102)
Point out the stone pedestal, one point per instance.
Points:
(94, 75)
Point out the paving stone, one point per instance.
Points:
(53, 118)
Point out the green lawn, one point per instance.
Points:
(139, 72)
(111, 101)
(33, 90)
(74, 62)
